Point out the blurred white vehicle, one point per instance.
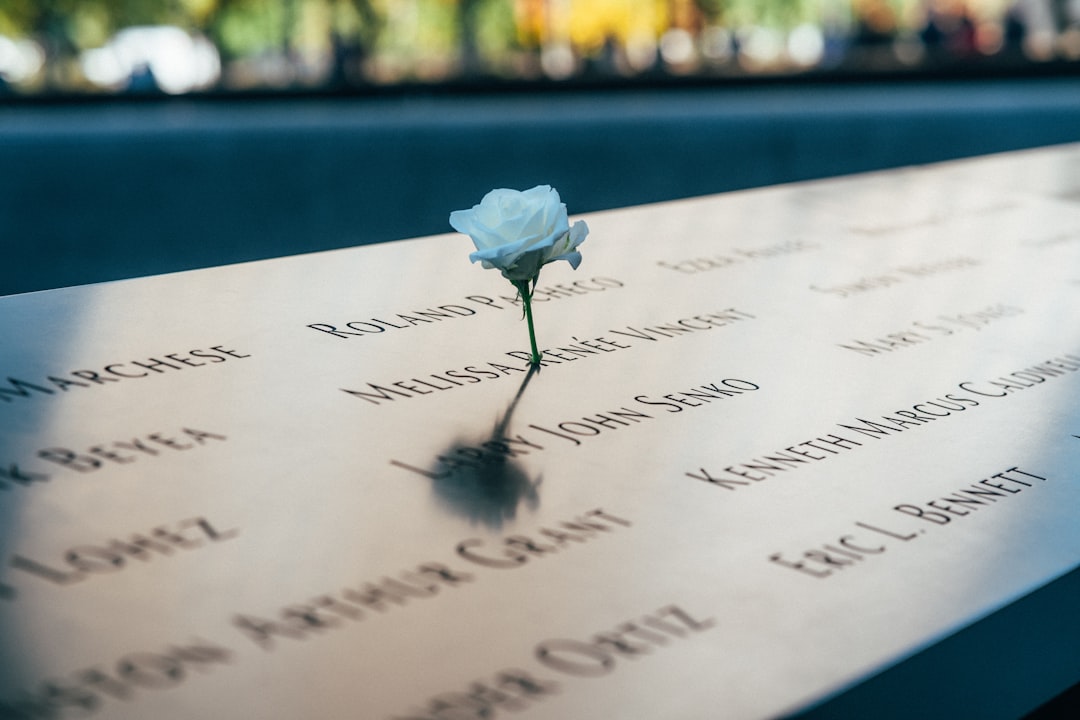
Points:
(154, 57)
(20, 60)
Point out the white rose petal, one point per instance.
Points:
(520, 232)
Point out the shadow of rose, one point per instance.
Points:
(482, 480)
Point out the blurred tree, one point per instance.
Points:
(18, 17)
(355, 27)
(497, 37)
(245, 27)
(470, 32)
(712, 10)
(771, 14)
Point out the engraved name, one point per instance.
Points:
(336, 611)
(84, 561)
(18, 388)
(972, 498)
(691, 266)
(852, 435)
(450, 311)
(920, 332)
(87, 691)
(897, 276)
(514, 689)
(102, 455)
(575, 350)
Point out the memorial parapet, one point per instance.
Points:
(781, 440)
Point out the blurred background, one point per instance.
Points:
(147, 136)
(184, 46)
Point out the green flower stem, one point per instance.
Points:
(526, 300)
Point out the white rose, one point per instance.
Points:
(520, 232)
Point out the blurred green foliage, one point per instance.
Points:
(312, 42)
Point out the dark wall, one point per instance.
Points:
(94, 192)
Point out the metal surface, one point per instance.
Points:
(785, 438)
